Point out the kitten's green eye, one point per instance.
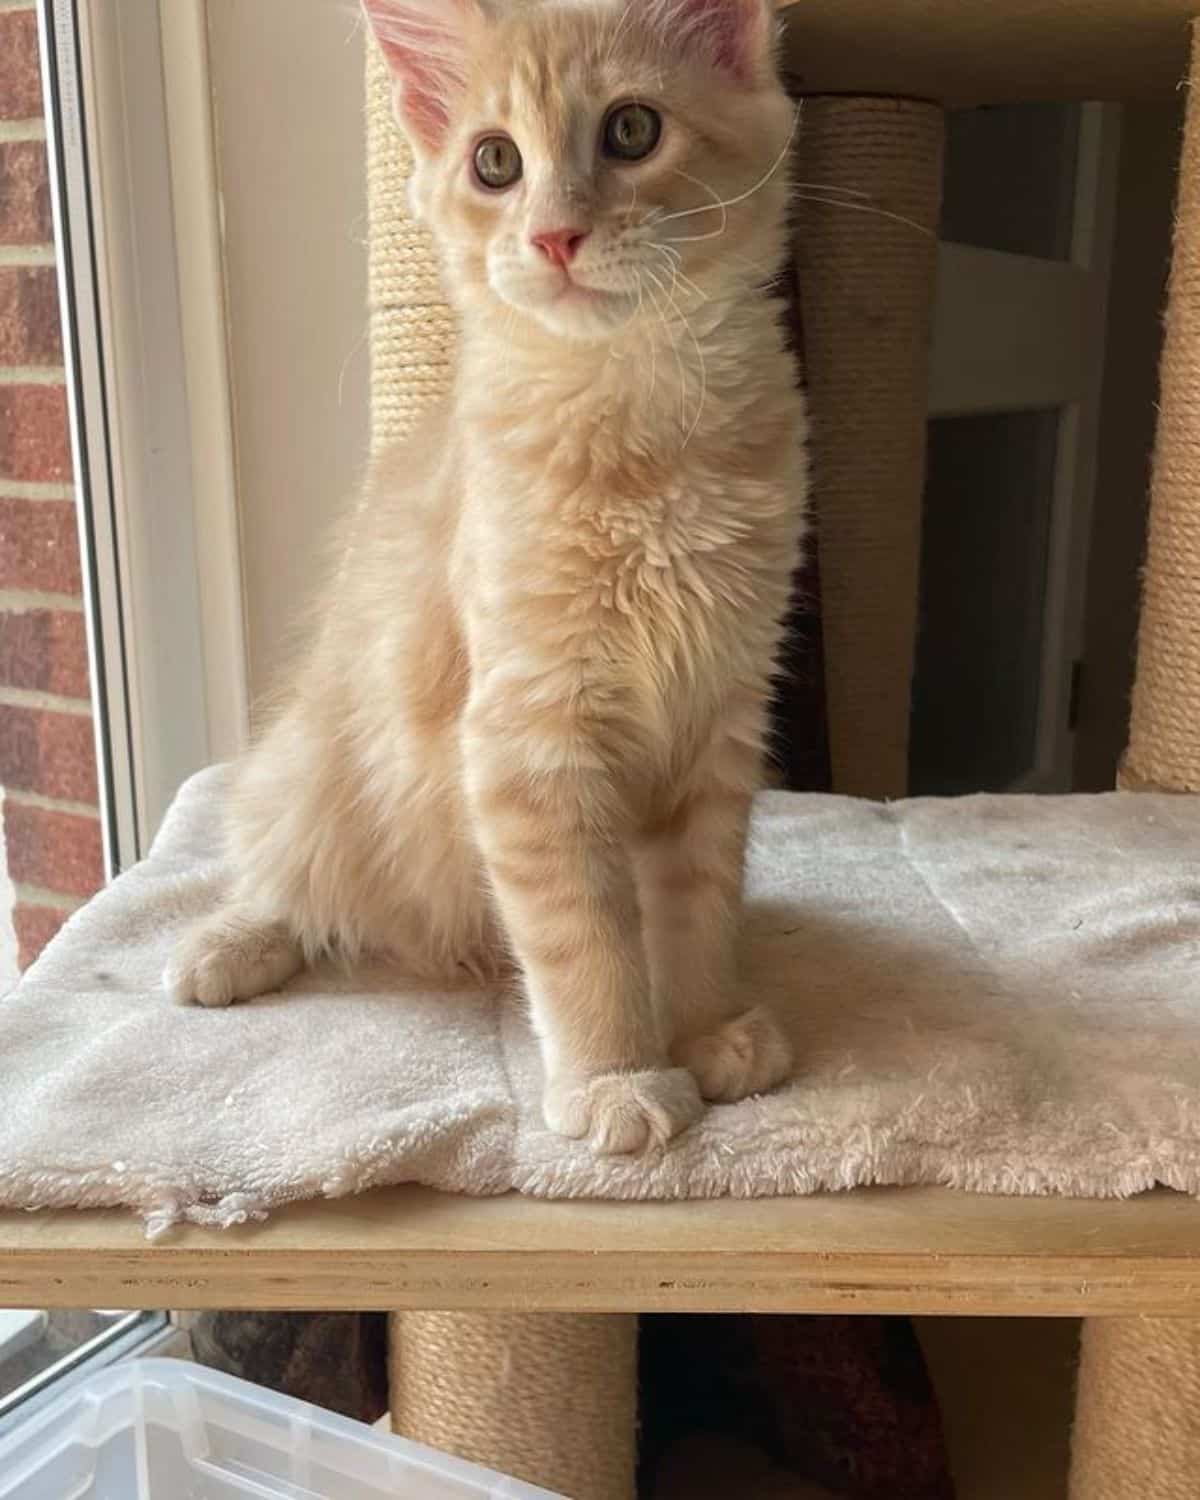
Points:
(497, 162)
(632, 131)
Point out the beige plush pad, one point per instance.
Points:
(997, 993)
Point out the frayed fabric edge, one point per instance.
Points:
(159, 1208)
(234, 1208)
(162, 1209)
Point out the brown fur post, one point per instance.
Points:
(531, 721)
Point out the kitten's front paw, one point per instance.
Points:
(624, 1113)
(230, 958)
(745, 1056)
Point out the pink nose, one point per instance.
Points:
(560, 245)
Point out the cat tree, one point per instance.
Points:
(867, 288)
(522, 1372)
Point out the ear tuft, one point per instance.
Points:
(425, 43)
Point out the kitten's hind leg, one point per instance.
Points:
(690, 879)
(233, 955)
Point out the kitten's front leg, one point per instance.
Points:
(690, 876)
(564, 883)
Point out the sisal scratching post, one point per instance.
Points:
(1137, 1417)
(545, 1397)
(866, 288)
(413, 329)
(1164, 743)
(1137, 1422)
(549, 1399)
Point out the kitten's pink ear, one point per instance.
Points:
(425, 43)
(739, 35)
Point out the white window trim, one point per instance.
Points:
(200, 263)
(138, 221)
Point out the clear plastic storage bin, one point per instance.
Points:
(163, 1429)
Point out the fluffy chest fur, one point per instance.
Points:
(628, 535)
(643, 502)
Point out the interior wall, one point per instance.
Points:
(1007, 1392)
(288, 100)
(1150, 138)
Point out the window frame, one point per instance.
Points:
(137, 232)
(136, 1333)
(137, 224)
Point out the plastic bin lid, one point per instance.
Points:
(164, 1429)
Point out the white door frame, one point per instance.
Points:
(1019, 333)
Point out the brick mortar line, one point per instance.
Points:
(14, 697)
(25, 489)
(22, 130)
(25, 601)
(33, 375)
(51, 804)
(26, 255)
(38, 895)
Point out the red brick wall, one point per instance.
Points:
(47, 757)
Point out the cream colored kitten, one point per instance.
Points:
(532, 719)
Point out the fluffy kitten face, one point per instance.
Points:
(586, 164)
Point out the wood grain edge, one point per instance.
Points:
(571, 1281)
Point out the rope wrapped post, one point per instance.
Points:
(1137, 1433)
(866, 286)
(1137, 1415)
(414, 332)
(1164, 742)
(549, 1398)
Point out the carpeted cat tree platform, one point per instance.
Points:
(867, 287)
(997, 995)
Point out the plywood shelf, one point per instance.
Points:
(910, 1250)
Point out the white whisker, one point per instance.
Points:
(632, 209)
(348, 361)
(675, 261)
(674, 346)
(869, 208)
(832, 187)
(693, 239)
(717, 202)
(641, 286)
(691, 432)
(729, 257)
(703, 397)
(727, 203)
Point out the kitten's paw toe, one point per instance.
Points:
(228, 959)
(745, 1056)
(624, 1113)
